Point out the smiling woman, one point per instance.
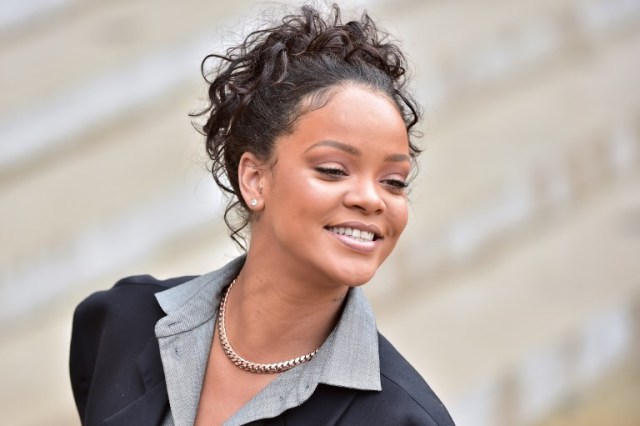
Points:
(308, 129)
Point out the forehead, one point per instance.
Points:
(353, 115)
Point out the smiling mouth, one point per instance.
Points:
(356, 234)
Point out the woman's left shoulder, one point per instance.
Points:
(405, 392)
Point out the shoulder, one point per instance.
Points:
(128, 310)
(136, 286)
(110, 330)
(128, 297)
(119, 317)
(405, 393)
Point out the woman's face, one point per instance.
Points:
(334, 200)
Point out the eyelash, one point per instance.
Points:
(331, 171)
(394, 184)
(397, 184)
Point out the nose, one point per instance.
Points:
(364, 195)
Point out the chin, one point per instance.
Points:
(355, 276)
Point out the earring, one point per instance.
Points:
(254, 202)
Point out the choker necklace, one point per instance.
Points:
(253, 367)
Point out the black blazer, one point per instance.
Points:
(117, 376)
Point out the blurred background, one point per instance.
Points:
(516, 288)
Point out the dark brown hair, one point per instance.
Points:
(262, 86)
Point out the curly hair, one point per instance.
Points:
(277, 74)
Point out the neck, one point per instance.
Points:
(272, 316)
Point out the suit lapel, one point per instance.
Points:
(150, 365)
(149, 409)
(151, 406)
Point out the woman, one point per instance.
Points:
(308, 130)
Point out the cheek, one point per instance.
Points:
(302, 188)
(300, 195)
(399, 214)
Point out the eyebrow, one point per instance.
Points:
(397, 158)
(349, 149)
(338, 145)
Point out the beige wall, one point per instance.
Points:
(515, 288)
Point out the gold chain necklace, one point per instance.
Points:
(253, 367)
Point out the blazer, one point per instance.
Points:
(117, 376)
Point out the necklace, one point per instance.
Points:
(253, 367)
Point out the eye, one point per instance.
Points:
(396, 185)
(331, 171)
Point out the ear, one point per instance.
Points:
(251, 176)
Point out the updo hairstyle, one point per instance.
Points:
(262, 86)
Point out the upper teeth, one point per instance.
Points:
(352, 232)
